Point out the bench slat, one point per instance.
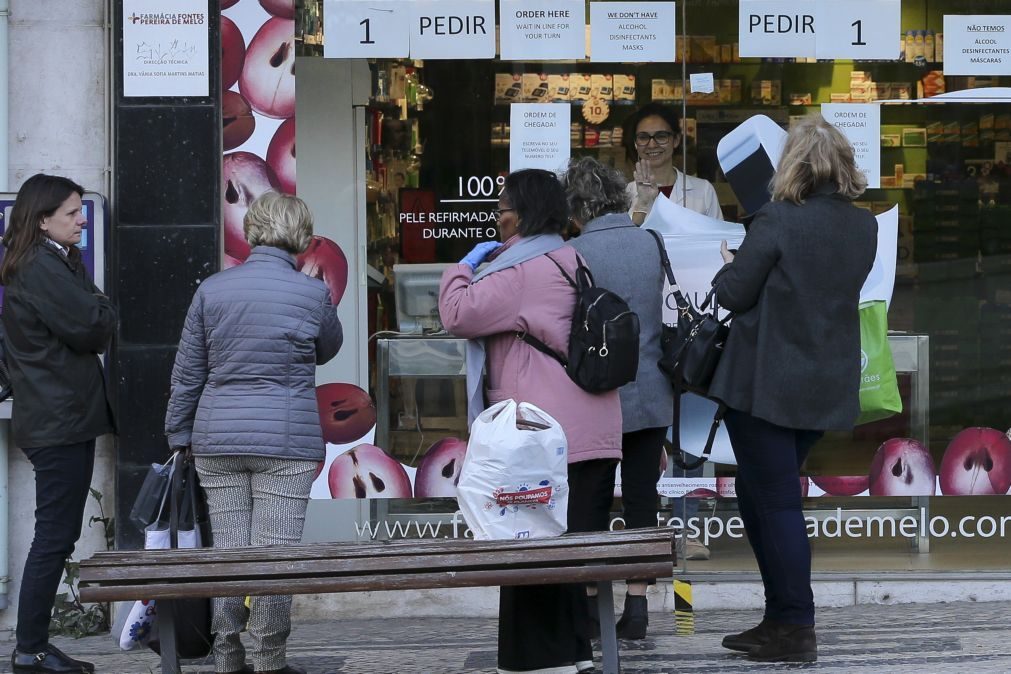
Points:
(267, 569)
(318, 551)
(394, 581)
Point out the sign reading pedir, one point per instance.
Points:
(453, 29)
(858, 29)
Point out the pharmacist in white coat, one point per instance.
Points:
(652, 135)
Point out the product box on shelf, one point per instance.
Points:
(663, 90)
(931, 84)
(535, 88)
(508, 88)
(624, 89)
(558, 88)
(702, 48)
(891, 140)
(766, 92)
(581, 85)
(602, 87)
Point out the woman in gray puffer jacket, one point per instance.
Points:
(243, 400)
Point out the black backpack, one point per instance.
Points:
(604, 340)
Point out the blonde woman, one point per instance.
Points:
(791, 368)
(244, 401)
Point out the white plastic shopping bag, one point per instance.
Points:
(514, 481)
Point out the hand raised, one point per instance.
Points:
(476, 256)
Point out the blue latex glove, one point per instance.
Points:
(479, 253)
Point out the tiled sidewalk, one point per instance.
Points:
(906, 638)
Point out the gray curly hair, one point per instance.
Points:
(593, 189)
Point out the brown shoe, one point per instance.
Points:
(788, 643)
(750, 639)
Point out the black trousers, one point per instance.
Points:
(640, 469)
(62, 482)
(769, 498)
(542, 626)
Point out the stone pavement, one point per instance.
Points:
(903, 638)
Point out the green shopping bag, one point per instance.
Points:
(879, 387)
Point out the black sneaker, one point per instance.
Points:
(50, 659)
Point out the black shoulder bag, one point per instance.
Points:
(691, 351)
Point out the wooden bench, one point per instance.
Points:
(167, 575)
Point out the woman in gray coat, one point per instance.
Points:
(243, 400)
(626, 260)
(791, 367)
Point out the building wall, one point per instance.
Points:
(59, 123)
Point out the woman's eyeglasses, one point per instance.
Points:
(661, 137)
(499, 211)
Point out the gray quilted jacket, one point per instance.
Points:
(244, 380)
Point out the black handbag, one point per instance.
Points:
(691, 350)
(191, 618)
(153, 494)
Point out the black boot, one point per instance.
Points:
(749, 639)
(634, 618)
(788, 643)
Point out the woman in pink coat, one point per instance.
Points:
(541, 628)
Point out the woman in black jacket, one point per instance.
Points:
(791, 368)
(56, 323)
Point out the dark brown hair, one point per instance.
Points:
(665, 112)
(37, 199)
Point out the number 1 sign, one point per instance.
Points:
(862, 30)
(366, 29)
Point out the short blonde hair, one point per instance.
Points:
(278, 220)
(816, 153)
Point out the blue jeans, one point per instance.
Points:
(769, 458)
(62, 482)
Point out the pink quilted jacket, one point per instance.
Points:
(533, 297)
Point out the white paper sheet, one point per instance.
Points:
(881, 280)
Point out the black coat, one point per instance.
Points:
(56, 323)
(793, 355)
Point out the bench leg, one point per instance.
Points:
(608, 636)
(167, 637)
